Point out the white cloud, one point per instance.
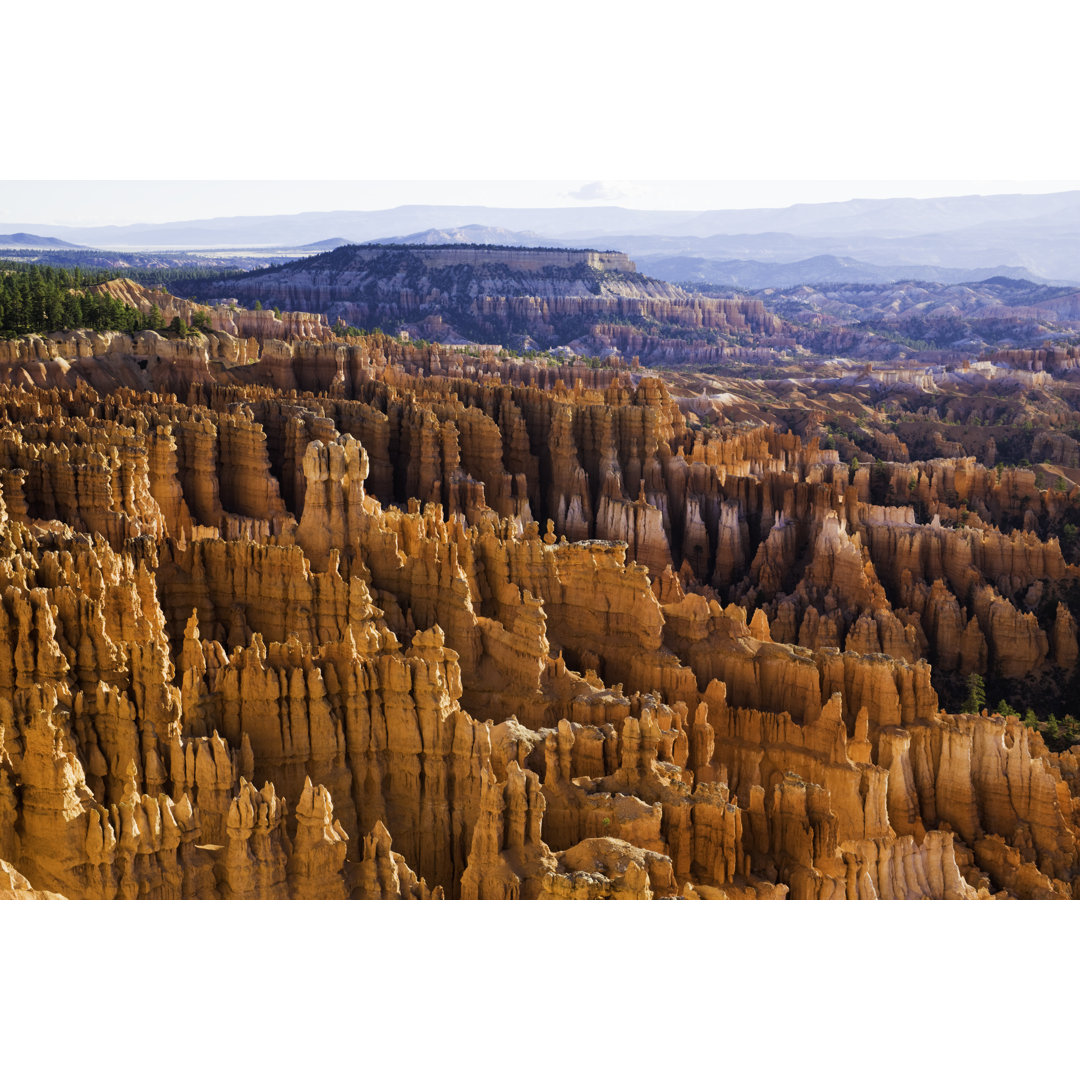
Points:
(599, 191)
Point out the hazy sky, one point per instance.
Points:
(236, 107)
(103, 202)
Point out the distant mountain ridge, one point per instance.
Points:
(818, 269)
(324, 245)
(1036, 236)
(30, 240)
(475, 234)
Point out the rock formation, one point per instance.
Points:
(539, 296)
(322, 618)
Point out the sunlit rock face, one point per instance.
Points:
(300, 616)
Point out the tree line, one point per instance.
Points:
(43, 299)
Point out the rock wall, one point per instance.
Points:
(551, 298)
(320, 620)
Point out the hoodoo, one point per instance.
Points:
(285, 613)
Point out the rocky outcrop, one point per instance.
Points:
(13, 886)
(262, 325)
(508, 294)
(318, 619)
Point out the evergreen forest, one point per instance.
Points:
(37, 299)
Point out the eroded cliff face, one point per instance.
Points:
(589, 300)
(316, 619)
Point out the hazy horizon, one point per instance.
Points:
(94, 203)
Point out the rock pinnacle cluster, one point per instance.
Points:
(289, 615)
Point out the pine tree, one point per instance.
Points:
(976, 697)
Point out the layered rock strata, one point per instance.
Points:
(319, 619)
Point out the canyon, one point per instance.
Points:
(596, 304)
(290, 614)
(590, 302)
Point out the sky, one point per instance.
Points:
(137, 114)
(123, 202)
